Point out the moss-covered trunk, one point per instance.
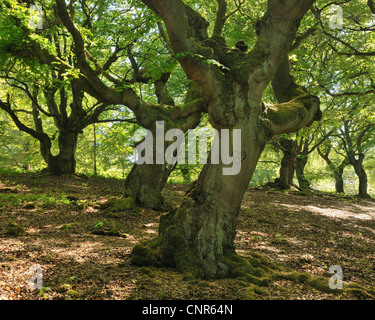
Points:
(287, 172)
(64, 162)
(199, 236)
(301, 162)
(145, 184)
(288, 163)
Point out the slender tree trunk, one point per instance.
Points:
(339, 180)
(338, 171)
(301, 162)
(95, 169)
(288, 163)
(362, 177)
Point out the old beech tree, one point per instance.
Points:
(199, 236)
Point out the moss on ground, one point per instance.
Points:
(254, 272)
(14, 230)
(114, 207)
(147, 253)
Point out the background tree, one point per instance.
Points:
(290, 150)
(353, 138)
(336, 168)
(51, 102)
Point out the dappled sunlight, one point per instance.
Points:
(80, 252)
(120, 289)
(10, 245)
(151, 228)
(363, 213)
(340, 213)
(291, 230)
(32, 230)
(264, 241)
(150, 231)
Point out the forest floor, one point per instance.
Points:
(55, 222)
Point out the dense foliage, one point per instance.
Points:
(128, 46)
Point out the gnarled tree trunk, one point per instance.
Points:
(64, 162)
(145, 182)
(199, 236)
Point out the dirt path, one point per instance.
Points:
(49, 222)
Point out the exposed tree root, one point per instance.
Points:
(254, 271)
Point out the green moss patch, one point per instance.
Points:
(113, 207)
(108, 228)
(14, 230)
(147, 253)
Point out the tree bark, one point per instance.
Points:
(362, 179)
(339, 180)
(288, 163)
(337, 171)
(145, 184)
(301, 162)
(207, 218)
(199, 236)
(64, 162)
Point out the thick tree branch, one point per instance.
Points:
(303, 37)
(187, 29)
(134, 121)
(220, 18)
(36, 134)
(23, 111)
(371, 5)
(293, 115)
(296, 108)
(161, 90)
(347, 93)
